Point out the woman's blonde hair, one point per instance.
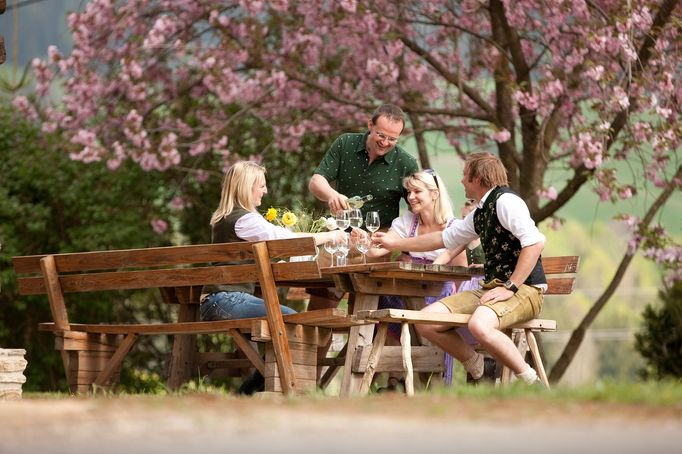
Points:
(238, 185)
(428, 179)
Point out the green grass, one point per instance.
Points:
(661, 393)
(656, 394)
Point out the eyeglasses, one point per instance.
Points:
(386, 138)
(433, 174)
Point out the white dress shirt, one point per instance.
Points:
(513, 214)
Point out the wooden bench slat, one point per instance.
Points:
(164, 256)
(561, 264)
(173, 277)
(560, 285)
(400, 315)
(323, 318)
(155, 328)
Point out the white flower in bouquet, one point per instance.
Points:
(330, 223)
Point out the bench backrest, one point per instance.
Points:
(566, 266)
(174, 266)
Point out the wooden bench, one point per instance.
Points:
(560, 273)
(92, 353)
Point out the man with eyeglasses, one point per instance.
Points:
(359, 164)
(370, 163)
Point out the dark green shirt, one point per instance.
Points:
(346, 163)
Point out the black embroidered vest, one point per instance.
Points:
(502, 249)
(223, 232)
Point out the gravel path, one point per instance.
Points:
(204, 424)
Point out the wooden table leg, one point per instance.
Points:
(184, 349)
(406, 344)
(358, 337)
(374, 356)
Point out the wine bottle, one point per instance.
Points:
(357, 201)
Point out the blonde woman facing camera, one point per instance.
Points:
(430, 211)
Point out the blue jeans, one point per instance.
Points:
(234, 305)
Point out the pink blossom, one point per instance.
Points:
(279, 5)
(177, 203)
(550, 193)
(201, 176)
(621, 97)
(527, 100)
(49, 127)
(625, 192)
(159, 226)
(631, 221)
(53, 54)
(198, 148)
(501, 136)
(595, 73)
(349, 5)
(296, 130)
(664, 112)
(22, 104)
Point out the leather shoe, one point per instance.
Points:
(255, 383)
(489, 372)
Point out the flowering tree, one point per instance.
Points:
(554, 85)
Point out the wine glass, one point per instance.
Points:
(372, 221)
(343, 247)
(331, 247)
(355, 217)
(343, 219)
(362, 243)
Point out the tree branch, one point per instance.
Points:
(582, 173)
(578, 334)
(448, 76)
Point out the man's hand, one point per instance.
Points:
(382, 239)
(321, 189)
(337, 202)
(495, 295)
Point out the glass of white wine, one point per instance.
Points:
(355, 217)
(343, 219)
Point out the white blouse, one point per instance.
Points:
(254, 227)
(403, 226)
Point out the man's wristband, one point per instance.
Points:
(509, 285)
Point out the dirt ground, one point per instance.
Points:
(210, 423)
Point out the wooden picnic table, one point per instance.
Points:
(369, 281)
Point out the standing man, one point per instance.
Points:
(361, 164)
(369, 163)
(514, 284)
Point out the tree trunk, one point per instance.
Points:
(578, 334)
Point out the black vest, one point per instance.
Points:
(223, 232)
(502, 249)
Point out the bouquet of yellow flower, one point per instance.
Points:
(297, 220)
